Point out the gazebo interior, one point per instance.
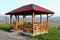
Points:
(30, 28)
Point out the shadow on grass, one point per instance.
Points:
(8, 30)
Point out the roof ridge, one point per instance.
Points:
(32, 6)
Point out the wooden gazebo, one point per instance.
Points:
(34, 28)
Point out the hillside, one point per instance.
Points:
(28, 19)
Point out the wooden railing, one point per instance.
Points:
(43, 26)
(27, 27)
(35, 28)
(13, 26)
(40, 27)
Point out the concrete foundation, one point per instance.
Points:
(33, 34)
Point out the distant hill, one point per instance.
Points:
(54, 19)
(29, 19)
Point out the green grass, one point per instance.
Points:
(4, 26)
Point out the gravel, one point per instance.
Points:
(8, 36)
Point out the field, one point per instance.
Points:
(4, 26)
(53, 34)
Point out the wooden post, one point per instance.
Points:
(41, 24)
(10, 21)
(24, 19)
(47, 18)
(41, 18)
(33, 21)
(16, 22)
(18, 18)
(46, 23)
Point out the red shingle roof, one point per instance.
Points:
(29, 8)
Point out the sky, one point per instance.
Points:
(8, 5)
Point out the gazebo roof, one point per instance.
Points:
(27, 9)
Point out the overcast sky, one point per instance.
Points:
(8, 5)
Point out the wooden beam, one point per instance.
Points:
(10, 21)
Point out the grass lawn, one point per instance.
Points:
(4, 26)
